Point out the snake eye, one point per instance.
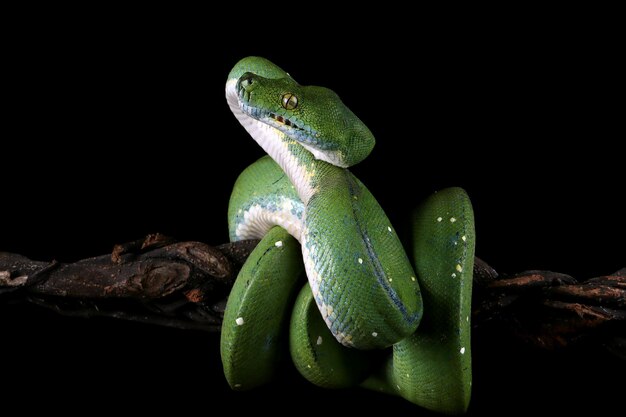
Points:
(289, 101)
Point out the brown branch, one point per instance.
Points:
(185, 284)
(154, 280)
(551, 310)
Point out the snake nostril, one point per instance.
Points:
(246, 80)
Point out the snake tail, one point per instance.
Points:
(433, 368)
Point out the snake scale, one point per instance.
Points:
(369, 315)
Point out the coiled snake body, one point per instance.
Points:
(363, 294)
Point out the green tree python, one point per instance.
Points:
(367, 316)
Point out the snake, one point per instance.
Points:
(368, 314)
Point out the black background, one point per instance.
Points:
(114, 133)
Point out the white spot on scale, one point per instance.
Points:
(464, 238)
(239, 321)
(279, 244)
(237, 385)
(239, 211)
(439, 219)
(398, 386)
(408, 376)
(390, 279)
(360, 260)
(453, 275)
(374, 334)
(319, 340)
(459, 268)
(309, 366)
(452, 219)
(412, 278)
(389, 228)
(467, 319)
(462, 351)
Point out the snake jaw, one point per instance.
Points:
(307, 137)
(290, 128)
(287, 126)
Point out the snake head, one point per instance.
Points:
(313, 116)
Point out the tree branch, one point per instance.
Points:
(185, 285)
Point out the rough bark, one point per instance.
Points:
(186, 284)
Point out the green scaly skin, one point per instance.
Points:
(341, 215)
(433, 367)
(254, 329)
(316, 354)
(359, 275)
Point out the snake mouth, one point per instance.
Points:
(291, 128)
(294, 129)
(280, 120)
